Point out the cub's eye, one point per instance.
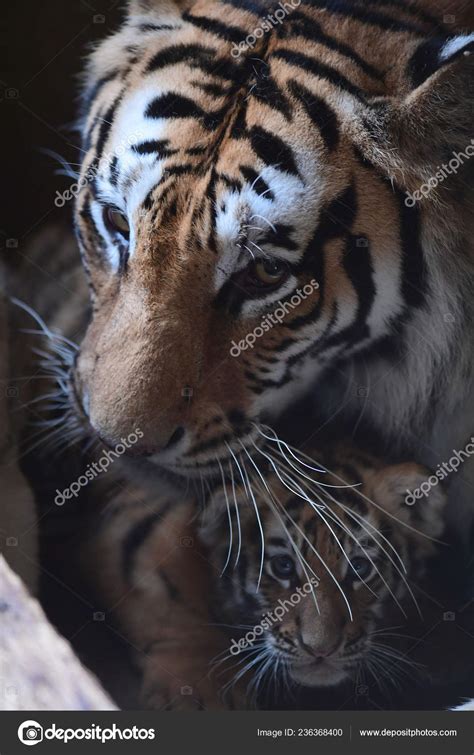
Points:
(283, 567)
(116, 222)
(361, 566)
(268, 272)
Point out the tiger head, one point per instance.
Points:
(242, 212)
(339, 565)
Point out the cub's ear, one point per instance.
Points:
(430, 116)
(413, 495)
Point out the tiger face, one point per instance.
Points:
(339, 565)
(242, 217)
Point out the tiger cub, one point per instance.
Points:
(291, 572)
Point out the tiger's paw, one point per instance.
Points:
(170, 686)
(202, 695)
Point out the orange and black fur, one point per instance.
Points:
(215, 187)
(190, 594)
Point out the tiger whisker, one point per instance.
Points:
(273, 499)
(281, 443)
(226, 655)
(376, 505)
(334, 516)
(265, 220)
(237, 514)
(318, 555)
(229, 517)
(362, 522)
(259, 521)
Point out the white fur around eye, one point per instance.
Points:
(455, 45)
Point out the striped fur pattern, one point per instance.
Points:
(215, 187)
(351, 533)
(182, 588)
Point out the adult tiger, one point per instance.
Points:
(216, 184)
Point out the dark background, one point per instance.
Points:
(44, 46)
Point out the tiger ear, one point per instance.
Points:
(411, 134)
(414, 496)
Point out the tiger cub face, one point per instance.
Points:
(339, 565)
(238, 213)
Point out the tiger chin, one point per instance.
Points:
(340, 553)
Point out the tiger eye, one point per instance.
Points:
(117, 221)
(362, 567)
(283, 567)
(269, 272)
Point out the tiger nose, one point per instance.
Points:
(145, 449)
(322, 649)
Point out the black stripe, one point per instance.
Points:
(258, 9)
(105, 126)
(425, 61)
(196, 150)
(87, 216)
(114, 175)
(158, 146)
(136, 536)
(224, 31)
(336, 220)
(319, 69)
(198, 56)
(173, 105)
(319, 112)
(301, 25)
(259, 186)
(267, 90)
(358, 266)
(373, 18)
(414, 281)
(231, 183)
(215, 90)
(210, 193)
(279, 236)
(412, 10)
(272, 150)
(239, 127)
(157, 27)
(278, 542)
(340, 215)
(89, 96)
